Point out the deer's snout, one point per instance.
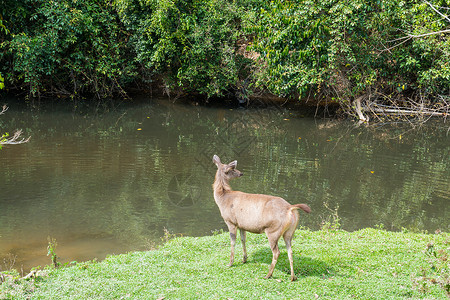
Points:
(240, 174)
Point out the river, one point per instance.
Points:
(109, 179)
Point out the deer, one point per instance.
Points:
(255, 213)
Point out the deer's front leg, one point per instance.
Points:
(243, 238)
(233, 230)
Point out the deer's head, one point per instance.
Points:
(227, 171)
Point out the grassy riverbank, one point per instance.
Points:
(366, 264)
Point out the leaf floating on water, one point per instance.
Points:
(139, 129)
(286, 119)
(372, 172)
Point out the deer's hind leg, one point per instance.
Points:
(287, 236)
(273, 242)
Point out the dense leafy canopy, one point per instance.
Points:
(332, 49)
(347, 48)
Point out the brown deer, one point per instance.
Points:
(255, 213)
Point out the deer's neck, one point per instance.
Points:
(221, 186)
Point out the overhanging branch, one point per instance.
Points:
(15, 139)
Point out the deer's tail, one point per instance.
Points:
(302, 206)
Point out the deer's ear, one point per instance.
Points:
(216, 160)
(233, 164)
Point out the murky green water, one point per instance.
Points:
(110, 182)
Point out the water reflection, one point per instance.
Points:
(110, 182)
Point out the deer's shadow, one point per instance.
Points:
(303, 266)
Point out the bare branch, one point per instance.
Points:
(430, 33)
(393, 110)
(361, 116)
(14, 140)
(32, 274)
(405, 39)
(4, 109)
(441, 14)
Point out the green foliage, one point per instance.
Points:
(168, 236)
(51, 251)
(337, 50)
(71, 47)
(192, 42)
(3, 139)
(332, 221)
(342, 49)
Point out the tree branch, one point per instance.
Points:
(427, 34)
(14, 140)
(358, 110)
(4, 109)
(441, 14)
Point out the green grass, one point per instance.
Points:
(366, 264)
